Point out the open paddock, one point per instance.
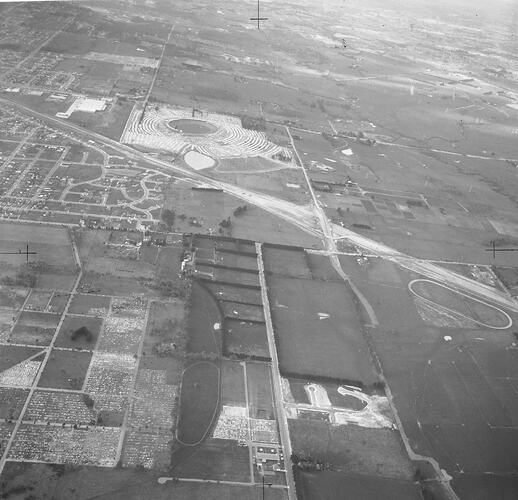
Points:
(109, 284)
(351, 448)
(54, 280)
(12, 298)
(321, 268)
(223, 291)
(11, 402)
(201, 322)
(318, 331)
(297, 390)
(260, 225)
(169, 261)
(484, 486)
(92, 305)
(38, 300)
(84, 340)
(238, 277)
(330, 485)
(232, 384)
(286, 262)
(243, 312)
(216, 459)
(65, 370)
(509, 277)
(52, 244)
(58, 302)
(453, 387)
(236, 260)
(246, 339)
(11, 355)
(35, 328)
(166, 322)
(121, 484)
(259, 387)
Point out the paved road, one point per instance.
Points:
(312, 220)
(282, 420)
(298, 215)
(330, 240)
(47, 351)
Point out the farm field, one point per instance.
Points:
(81, 356)
(71, 333)
(246, 339)
(203, 336)
(351, 448)
(335, 486)
(117, 484)
(65, 370)
(215, 459)
(236, 255)
(318, 331)
(435, 380)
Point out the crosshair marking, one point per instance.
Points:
(494, 249)
(258, 18)
(19, 252)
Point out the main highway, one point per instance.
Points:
(310, 218)
(307, 217)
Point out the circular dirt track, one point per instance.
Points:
(192, 127)
(199, 400)
(461, 304)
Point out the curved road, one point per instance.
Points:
(313, 220)
(301, 216)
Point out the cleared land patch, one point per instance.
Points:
(94, 305)
(35, 328)
(244, 338)
(232, 384)
(11, 402)
(259, 387)
(38, 300)
(317, 330)
(217, 459)
(65, 370)
(12, 298)
(350, 448)
(330, 485)
(203, 337)
(286, 262)
(79, 332)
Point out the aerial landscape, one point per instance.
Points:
(259, 250)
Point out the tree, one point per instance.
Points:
(225, 223)
(82, 332)
(240, 210)
(168, 216)
(89, 402)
